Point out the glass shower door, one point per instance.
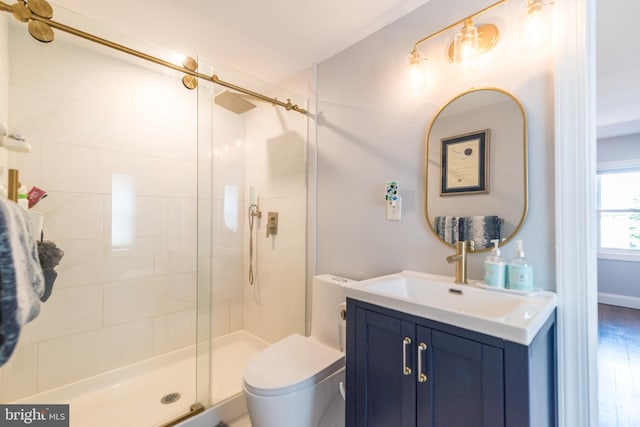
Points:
(114, 144)
(259, 170)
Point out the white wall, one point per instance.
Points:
(114, 147)
(4, 99)
(372, 127)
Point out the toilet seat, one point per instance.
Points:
(291, 364)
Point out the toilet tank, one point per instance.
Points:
(327, 301)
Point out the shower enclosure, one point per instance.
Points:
(258, 155)
(148, 192)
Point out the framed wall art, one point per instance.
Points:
(465, 164)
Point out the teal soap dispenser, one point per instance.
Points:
(495, 268)
(520, 275)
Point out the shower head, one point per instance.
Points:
(233, 101)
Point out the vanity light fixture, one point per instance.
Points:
(466, 44)
(535, 32)
(416, 66)
(469, 41)
(534, 9)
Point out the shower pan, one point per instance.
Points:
(152, 311)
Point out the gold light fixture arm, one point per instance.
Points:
(189, 71)
(455, 24)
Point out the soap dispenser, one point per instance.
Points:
(520, 270)
(495, 268)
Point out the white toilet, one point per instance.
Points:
(296, 381)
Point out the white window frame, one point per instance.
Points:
(608, 253)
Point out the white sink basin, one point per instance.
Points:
(513, 316)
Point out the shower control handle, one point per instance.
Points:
(272, 224)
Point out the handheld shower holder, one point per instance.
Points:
(254, 211)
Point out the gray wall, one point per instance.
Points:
(371, 129)
(624, 147)
(620, 278)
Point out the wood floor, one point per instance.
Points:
(619, 366)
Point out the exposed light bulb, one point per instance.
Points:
(466, 43)
(414, 58)
(534, 30)
(416, 71)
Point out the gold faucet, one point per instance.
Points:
(460, 258)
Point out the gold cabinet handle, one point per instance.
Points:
(405, 369)
(422, 377)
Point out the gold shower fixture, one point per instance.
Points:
(30, 12)
(470, 40)
(38, 13)
(189, 81)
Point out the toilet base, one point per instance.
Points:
(320, 405)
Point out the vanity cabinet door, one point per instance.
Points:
(384, 381)
(464, 384)
(456, 377)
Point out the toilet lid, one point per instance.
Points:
(291, 364)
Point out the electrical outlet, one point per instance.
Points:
(394, 213)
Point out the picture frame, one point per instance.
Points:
(465, 164)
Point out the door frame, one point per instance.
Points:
(575, 213)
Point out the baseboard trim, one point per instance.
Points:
(619, 300)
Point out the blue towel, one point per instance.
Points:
(21, 279)
(480, 229)
(447, 227)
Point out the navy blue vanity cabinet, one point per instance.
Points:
(385, 395)
(406, 371)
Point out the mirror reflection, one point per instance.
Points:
(476, 168)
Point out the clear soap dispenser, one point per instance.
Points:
(520, 270)
(495, 268)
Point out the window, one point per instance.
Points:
(619, 212)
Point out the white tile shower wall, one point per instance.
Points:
(264, 149)
(276, 167)
(228, 219)
(114, 145)
(4, 92)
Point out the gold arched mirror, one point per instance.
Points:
(476, 168)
